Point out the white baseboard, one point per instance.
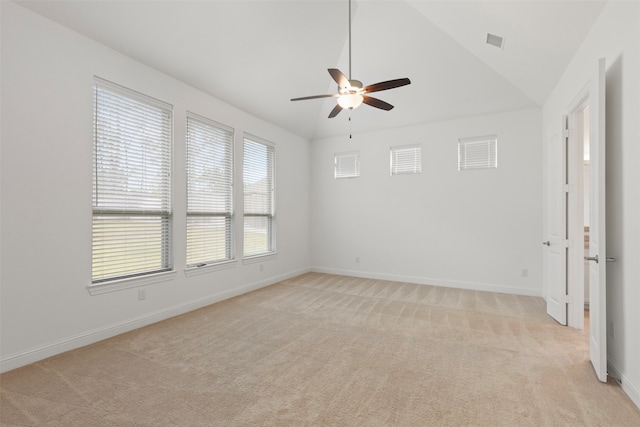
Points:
(90, 337)
(632, 390)
(473, 286)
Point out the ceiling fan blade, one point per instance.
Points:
(333, 95)
(340, 78)
(335, 111)
(389, 84)
(375, 102)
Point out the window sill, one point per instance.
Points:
(133, 282)
(259, 258)
(208, 268)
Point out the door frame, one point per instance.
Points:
(573, 220)
(575, 209)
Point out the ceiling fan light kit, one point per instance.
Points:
(349, 102)
(351, 93)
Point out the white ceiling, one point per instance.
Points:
(256, 55)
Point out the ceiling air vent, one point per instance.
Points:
(494, 40)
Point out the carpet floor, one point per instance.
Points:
(326, 350)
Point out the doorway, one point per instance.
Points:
(587, 208)
(578, 219)
(586, 197)
(565, 225)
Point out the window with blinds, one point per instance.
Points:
(259, 201)
(347, 165)
(131, 184)
(405, 159)
(478, 152)
(209, 192)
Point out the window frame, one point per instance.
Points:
(343, 173)
(228, 215)
(270, 214)
(400, 168)
(108, 204)
(488, 161)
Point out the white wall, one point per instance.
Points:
(473, 229)
(47, 81)
(616, 37)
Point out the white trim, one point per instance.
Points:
(113, 104)
(398, 167)
(36, 354)
(420, 280)
(259, 258)
(194, 158)
(575, 214)
(130, 282)
(207, 268)
(210, 122)
(271, 215)
(346, 173)
(257, 139)
(126, 92)
(632, 390)
(488, 145)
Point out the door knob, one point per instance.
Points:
(592, 258)
(547, 243)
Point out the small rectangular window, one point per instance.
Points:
(131, 184)
(347, 165)
(259, 197)
(209, 192)
(478, 152)
(405, 159)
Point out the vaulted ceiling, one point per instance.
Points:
(257, 55)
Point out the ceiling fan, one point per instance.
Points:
(351, 93)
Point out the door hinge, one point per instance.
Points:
(566, 133)
(568, 188)
(567, 299)
(567, 243)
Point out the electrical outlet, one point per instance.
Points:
(142, 294)
(525, 272)
(261, 268)
(357, 260)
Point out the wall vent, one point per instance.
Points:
(494, 40)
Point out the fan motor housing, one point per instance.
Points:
(355, 86)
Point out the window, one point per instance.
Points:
(406, 159)
(259, 202)
(131, 184)
(478, 152)
(347, 165)
(209, 192)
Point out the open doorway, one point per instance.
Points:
(578, 208)
(565, 275)
(586, 197)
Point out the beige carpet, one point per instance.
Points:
(323, 350)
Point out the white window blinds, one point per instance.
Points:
(131, 184)
(405, 159)
(259, 202)
(209, 192)
(347, 165)
(478, 152)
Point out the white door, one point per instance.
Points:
(555, 251)
(597, 227)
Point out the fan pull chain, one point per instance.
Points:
(350, 136)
